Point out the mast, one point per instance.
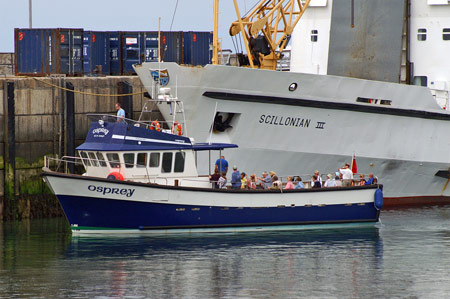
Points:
(215, 57)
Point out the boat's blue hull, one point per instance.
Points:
(89, 213)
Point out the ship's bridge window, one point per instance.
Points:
(421, 34)
(113, 159)
(179, 162)
(314, 35)
(154, 160)
(101, 159)
(420, 80)
(167, 162)
(446, 34)
(85, 158)
(141, 160)
(128, 159)
(374, 101)
(93, 159)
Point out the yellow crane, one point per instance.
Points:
(267, 28)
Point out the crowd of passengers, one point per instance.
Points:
(342, 178)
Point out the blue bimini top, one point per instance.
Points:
(112, 136)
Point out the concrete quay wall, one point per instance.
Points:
(34, 117)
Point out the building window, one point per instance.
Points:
(113, 160)
(141, 160)
(446, 34)
(314, 35)
(154, 160)
(167, 162)
(129, 160)
(421, 34)
(179, 162)
(421, 81)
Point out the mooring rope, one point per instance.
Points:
(89, 93)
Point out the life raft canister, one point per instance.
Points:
(155, 126)
(378, 202)
(115, 176)
(176, 126)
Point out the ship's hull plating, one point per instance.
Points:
(396, 131)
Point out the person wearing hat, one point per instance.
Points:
(347, 175)
(330, 182)
(266, 181)
(235, 178)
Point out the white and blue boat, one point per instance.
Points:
(141, 180)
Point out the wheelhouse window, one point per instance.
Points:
(421, 80)
(129, 160)
(446, 34)
(154, 160)
(113, 159)
(101, 159)
(179, 162)
(93, 159)
(85, 159)
(314, 35)
(421, 34)
(141, 160)
(167, 162)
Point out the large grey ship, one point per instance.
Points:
(304, 120)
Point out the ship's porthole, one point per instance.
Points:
(293, 87)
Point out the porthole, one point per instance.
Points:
(293, 87)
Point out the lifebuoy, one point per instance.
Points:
(177, 126)
(155, 126)
(115, 176)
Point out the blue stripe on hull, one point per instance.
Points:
(117, 214)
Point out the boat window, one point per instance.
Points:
(101, 159)
(420, 80)
(154, 160)
(129, 160)
(85, 158)
(113, 160)
(421, 34)
(167, 162)
(179, 162)
(446, 34)
(141, 160)
(93, 159)
(314, 35)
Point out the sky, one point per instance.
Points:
(118, 15)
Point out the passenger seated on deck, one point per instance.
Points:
(299, 184)
(252, 182)
(319, 178)
(266, 181)
(338, 180)
(276, 183)
(370, 180)
(330, 182)
(316, 183)
(244, 180)
(289, 184)
(214, 178)
(222, 183)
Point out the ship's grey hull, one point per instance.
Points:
(398, 132)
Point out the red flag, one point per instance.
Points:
(354, 167)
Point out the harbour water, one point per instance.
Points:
(406, 256)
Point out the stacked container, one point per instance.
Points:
(41, 52)
(197, 47)
(96, 53)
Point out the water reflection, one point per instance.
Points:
(222, 265)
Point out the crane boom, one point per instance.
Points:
(267, 29)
